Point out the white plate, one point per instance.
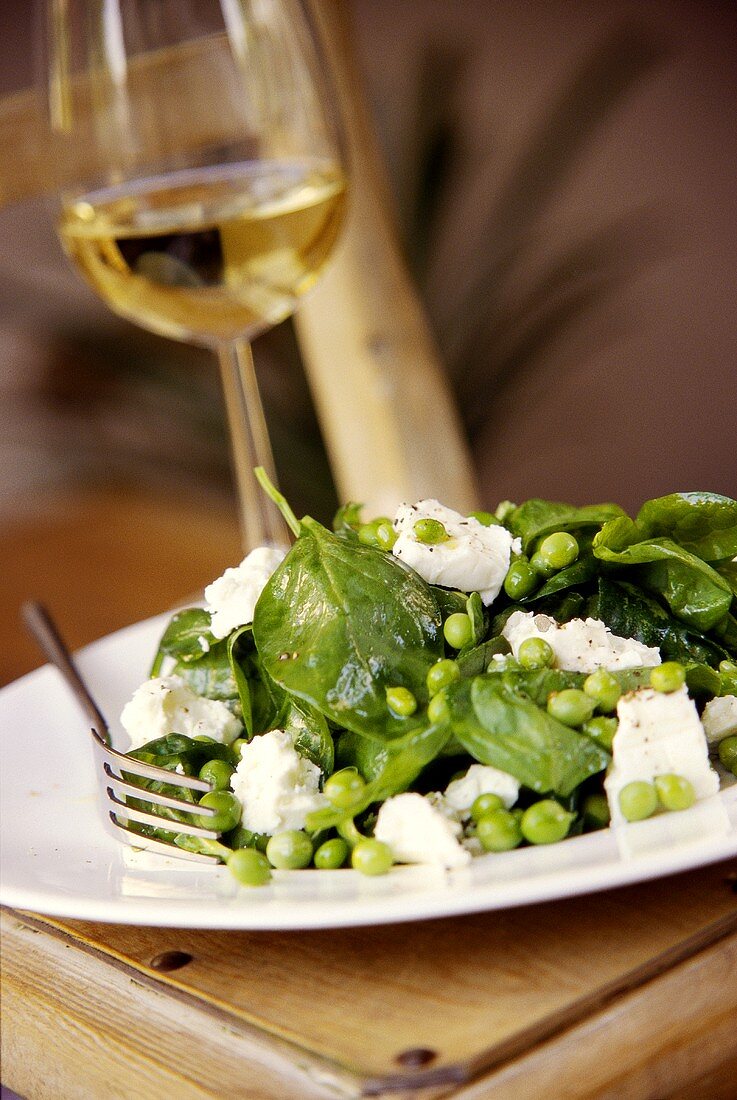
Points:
(57, 858)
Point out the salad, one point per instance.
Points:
(430, 687)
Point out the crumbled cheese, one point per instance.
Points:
(720, 718)
(276, 786)
(231, 599)
(419, 832)
(474, 559)
(581, 645)
(481, 779)
(658, 733)
(167, 705)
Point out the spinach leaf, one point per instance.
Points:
(472, 662)
(582, 571)
(237, 646)
(500, 725)
(478, 616)
(726, 632)
(562, 606)
(449, 601)
(212, 675)
(728, 570)
(339, 622)
(695, 592)
(537, 518)
(348, 519)
(705, 524)
(187, 638)
(392, 766)
(702, 679)
(537, 684)
(630, 613)
(309, 731)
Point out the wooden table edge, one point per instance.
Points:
(352, 1080)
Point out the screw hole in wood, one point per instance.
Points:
(416, 1057)
(170, 960)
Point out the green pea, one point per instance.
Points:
(332, 854)
(458, 630)
(238, 746)
(368, 532)
(249, 867)
(596, 811)
(728, 753)
(442, 674)
(227, 811)
(217, 773)
(486, 519)
(485, 804)
(604, 689)
(545, 822)
(430, 531)
(344, 789)
(601, 729)
(372, 857)
(668, 677)
(535, 653)
(638, 800)
(542, 566)
(386, 536)
(438, 710)
(521, 579)
(290, 850)
(559, 550)
(401, 701)
(675, 792)
(498, 831)
(571, 706)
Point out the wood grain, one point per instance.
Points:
(508, 995)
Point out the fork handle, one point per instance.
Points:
(44, 631)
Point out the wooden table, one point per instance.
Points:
(626, 994)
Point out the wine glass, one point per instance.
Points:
(201, 180)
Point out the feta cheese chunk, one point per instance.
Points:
(720, 718)
(473, 559)
(419, 832)
(232, 598)
(276, 785)
(658, 733)
(481, 779)
(581, 645)
(167, 705)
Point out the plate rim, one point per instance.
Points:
(380, 907)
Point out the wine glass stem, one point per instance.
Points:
(261, 523)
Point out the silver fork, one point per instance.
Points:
(112, 763)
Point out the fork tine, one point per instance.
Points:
(120, 762)
(119, 786)
(114, 763)
(158, 822)
(135, 840)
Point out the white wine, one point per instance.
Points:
(208, 255)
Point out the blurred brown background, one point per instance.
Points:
(564, 177)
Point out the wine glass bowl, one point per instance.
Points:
(204, 186)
